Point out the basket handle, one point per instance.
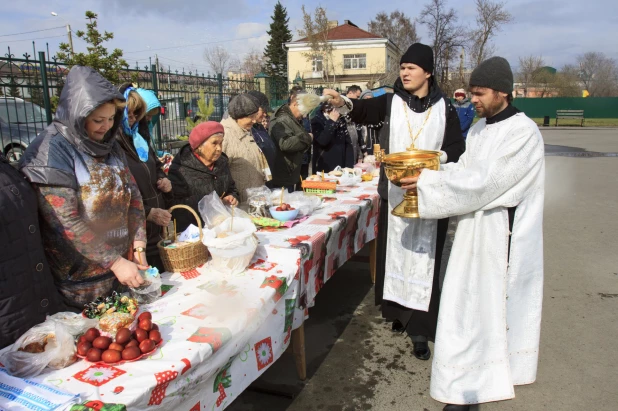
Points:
(197, 218)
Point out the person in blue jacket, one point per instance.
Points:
(465, 111)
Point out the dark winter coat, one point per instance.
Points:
(465, 111)
(291, 140)
(332, 145)
(192, 180)
(266, 144)
(90, 206)
(27, 291)
(377, 111)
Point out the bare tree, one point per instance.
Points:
(567, 82)
(315, 30)
(529, 67)
(398, 28)
(446, 37)
(599, 74)
(253, 63)
(219, 60)
(490, 17)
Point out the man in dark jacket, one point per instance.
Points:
(27, 291)
(291, 140)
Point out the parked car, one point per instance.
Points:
(20, 122)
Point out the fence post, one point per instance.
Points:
(220, 91)
(155, 88)
(43, 69)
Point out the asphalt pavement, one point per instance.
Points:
(356, 363)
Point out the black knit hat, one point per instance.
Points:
(243, 105)
(419, 54)
(494, 73)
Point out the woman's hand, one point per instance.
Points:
(336, 100)
(230, 200)
(128, 272)
(159, 216)
(164, 185)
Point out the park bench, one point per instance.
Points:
(570, 114)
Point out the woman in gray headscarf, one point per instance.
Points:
(247, 163)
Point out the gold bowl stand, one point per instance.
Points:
(408, 164)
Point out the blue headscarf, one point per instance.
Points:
(152, 102)
(141, 146)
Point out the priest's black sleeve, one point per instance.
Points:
(369, 111)
(453, 143)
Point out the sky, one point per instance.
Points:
(178, 32)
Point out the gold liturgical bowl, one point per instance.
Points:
(409, 164)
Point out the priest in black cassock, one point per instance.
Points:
(409, 250)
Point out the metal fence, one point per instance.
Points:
(30, 88)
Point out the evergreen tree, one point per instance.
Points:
(108, 64)
(36, 90)
(275, 55)
(13, 88)
(205, 110)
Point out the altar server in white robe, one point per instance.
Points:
(490, 313)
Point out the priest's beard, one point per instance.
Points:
(491, 108)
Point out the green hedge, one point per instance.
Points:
(594, 107)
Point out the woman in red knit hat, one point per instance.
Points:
(200, 168)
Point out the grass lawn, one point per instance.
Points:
(588, 122)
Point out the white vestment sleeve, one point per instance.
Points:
(473, 185)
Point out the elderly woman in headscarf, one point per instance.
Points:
(91, 212)
(134, 138)
(248, 164)
(200, 168)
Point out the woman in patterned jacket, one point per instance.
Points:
(92, 217)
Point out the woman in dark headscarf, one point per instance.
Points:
(92, 217)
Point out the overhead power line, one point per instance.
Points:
(38, 38)
(192, 45)
(33, 31)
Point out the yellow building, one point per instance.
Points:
(358, 57)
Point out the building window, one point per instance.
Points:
(389, 60)
(354, 61)
(318, 64)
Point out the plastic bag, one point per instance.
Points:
(52, 344)
(190, 235)
(214, 212)
(76, 324)
(349, 178)
(231, 248)
(305, 204)
(258, 200)
(150, 290)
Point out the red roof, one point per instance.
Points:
(346, 31)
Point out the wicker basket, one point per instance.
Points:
(187, 256)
